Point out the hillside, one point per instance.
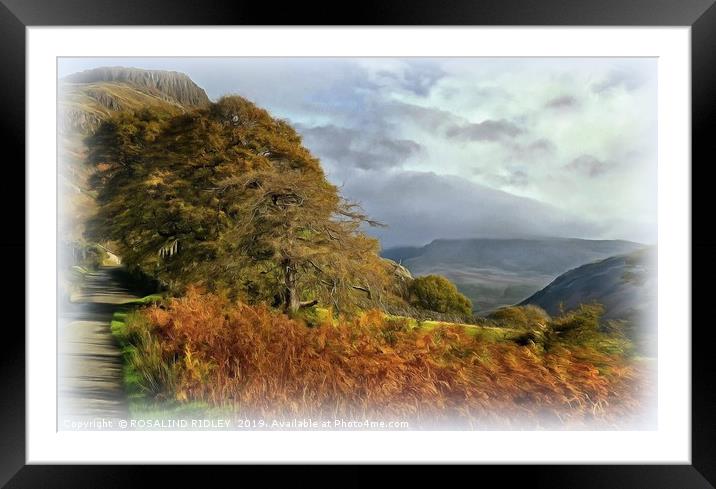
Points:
(91, 96)
(624, 284)
(172, 85)
(499, 272)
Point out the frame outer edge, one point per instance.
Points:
(12, 100)
(12, 242)
(703, 114)
(367, 12)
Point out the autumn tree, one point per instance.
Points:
(227, 196)
(149, 175)
(295, 225)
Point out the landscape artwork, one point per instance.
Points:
(357, 243)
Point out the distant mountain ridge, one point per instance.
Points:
(174, 85)
(91, 96)
(498, 272)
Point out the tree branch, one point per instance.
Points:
(363, 289)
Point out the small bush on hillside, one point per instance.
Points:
(438, 294)
(579, 323)
(520, 317)
(581, 327)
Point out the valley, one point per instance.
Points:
(500, 272)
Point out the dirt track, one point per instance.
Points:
(90, 385)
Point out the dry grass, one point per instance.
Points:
(252, 360)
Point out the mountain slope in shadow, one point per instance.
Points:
(624, 284)
(500, 272)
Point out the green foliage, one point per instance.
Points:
(582, 327)
(146, 374)
(582, 321)
(438, 294)
(314, 316)
(522, 317)
(146, 300)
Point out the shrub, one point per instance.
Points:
(520, 317)
(579, 327)
(582, 322)
(438, 294)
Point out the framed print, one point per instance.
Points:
(454, 235)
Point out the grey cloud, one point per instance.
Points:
(421, 206)
(542, 144)
(565, 101)
(418, 78)
(355, 148)
(489, 130)
(630, 80)
(513, 177)
(525, 152)
(428, 118)
(367, 111)
(588, 165)
(517, 178)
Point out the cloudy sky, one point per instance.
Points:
(463, 147)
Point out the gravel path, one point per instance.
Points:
(90, 365)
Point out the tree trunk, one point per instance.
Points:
(293, 298)
(293, 302)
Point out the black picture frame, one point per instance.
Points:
(16, 15)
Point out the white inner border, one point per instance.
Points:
(669, 444)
